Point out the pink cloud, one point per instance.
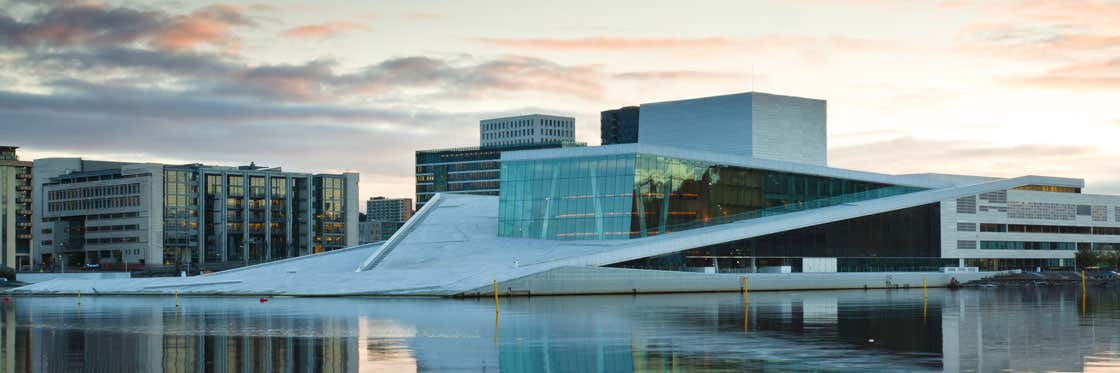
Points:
(324, 30)
(1099, 75)
(706, 45)
(207, 26)
(680, 75)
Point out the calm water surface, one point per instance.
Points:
(901, 330)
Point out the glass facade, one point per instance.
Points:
(569, 198)
(639, 195)
(180, 216)
(900, 240)
(330, 214)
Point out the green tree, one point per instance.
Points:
(1087, 258)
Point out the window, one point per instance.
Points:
(236, 186)
(987, 227)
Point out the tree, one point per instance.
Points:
(1087, 258)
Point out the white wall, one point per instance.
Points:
(351, 190)
(720, 124)
(753, 124)
(790, 129)
(950, 217)
(818, 265)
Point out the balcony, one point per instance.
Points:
(23, 212)
(23, 236)
(23, 188)
(23, 176)
(23, 200)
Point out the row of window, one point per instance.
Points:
(1050, 188)
(84, 179)
(95, 203)
(108, 240)
(1029, 228)
(113, 228)
(521, 123)
(474, 175)
(1027, 245)
(527, 132)
(98, 191)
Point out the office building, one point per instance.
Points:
(619, 126)
(526, 129)
(388, 209)
(370, 231)
(173, 215)
(15, 210)
(475, 170)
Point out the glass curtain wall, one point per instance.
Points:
(278, 218)
(330, 233)
(639, 195)
(901, 240)
(215, 229)
(573, 198)
(235, 217)
(180, 217)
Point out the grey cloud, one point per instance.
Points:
(69, 25)
(63, 24)
(143, 60)
(319, 80)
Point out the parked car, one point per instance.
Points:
(93, 265)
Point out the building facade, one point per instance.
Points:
(376, 231)
(752, 124)
(919, 222)
(474, 170)
(388, 209)
(155, 214)
(15, 210)
(619, 126)
(526, 129)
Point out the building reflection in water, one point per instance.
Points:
(973, 330)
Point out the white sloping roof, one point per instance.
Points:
(928, 180)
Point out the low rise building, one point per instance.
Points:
(15, 210)
(375, 230)
(526, 129)
(154, 214)
(388, 209)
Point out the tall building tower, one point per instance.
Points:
(526, 129)
(619, 126)
(15, 210)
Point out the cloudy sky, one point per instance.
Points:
(990, 87)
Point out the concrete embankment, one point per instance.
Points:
(37, 277)
(1048, 279)
(605, 280)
